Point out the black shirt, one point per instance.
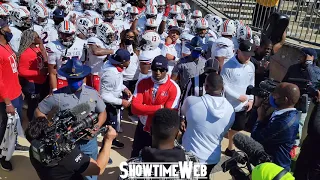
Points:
(69, 168)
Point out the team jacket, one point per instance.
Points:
(145, 105)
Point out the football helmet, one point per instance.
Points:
(171, 22)
(4, 13)
(238, 24)
(119, 14)
(201, 23)
(228, 28)
(181, 18)
(244, 33)
(8, 6)
(151, 23)
(151, 12)
(106, 33)
(161, 5)
(87, 4)
(175, 9)
(152, 3)
(85, 26)
(214, 23)
(39, 14)
(65, 5)
(21, 17)
(150, 40)
(186, 8)
(51, 3)
(67, 33)
(108, 11)
(96, 21)
(196, 14)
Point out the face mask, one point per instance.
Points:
(195, 54)
(75, 84)
(272, 102)
(108, 19)
(308, 62)
(128, 42)
(7, 36)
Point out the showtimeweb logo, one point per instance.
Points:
(160, 170)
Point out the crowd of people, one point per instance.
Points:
(181, 76)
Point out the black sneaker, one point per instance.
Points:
(117, 144)
(21, 148)
(5, 165)
(229, 152)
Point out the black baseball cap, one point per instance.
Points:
(247, 47)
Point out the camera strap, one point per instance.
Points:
(280, 174)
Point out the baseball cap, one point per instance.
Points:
(121, 55)
(247, 48)
(3, 23)
(211, 65)
(160, 62)
(175, 28)
(58, 13)
(310, 52)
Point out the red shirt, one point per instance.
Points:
(30, 63)
(143, 103)
(9, 81)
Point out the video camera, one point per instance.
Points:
(265, 88)
(68, 126)
(253, 153)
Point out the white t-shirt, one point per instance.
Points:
(174, 50)
(58, 54)
(131, 72)
(15, 41)
(236, 78)
(96, 62)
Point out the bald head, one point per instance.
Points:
(290, 91)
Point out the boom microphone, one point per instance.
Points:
(81, 111)
(252, 148)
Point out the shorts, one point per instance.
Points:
(93, 81)
(240, 121)
(61, 83)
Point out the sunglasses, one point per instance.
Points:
(158, 69)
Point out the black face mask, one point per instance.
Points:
(128, 42)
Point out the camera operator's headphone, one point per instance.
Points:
(280, 174)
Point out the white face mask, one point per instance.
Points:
(308, 62)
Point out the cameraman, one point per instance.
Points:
(308, 163)
(74, 165)
(307, 70)
(72, 95)
(277, 134)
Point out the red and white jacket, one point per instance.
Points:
(144, 105)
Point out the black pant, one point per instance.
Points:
(209, 169)
(34, 93)
(261, 15)
(131, 85)
(308, 163)
(141, 139)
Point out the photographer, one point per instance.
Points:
(74, 165)
(277, 134)
(72, 95)
(308, 163)
(305, 70)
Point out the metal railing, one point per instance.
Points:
(304, 25)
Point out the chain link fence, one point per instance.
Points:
(304, 15)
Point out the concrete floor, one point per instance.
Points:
(24, 170)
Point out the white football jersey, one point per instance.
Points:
(96, 62)
(15, 41)
(58, 54)
(119, 27)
